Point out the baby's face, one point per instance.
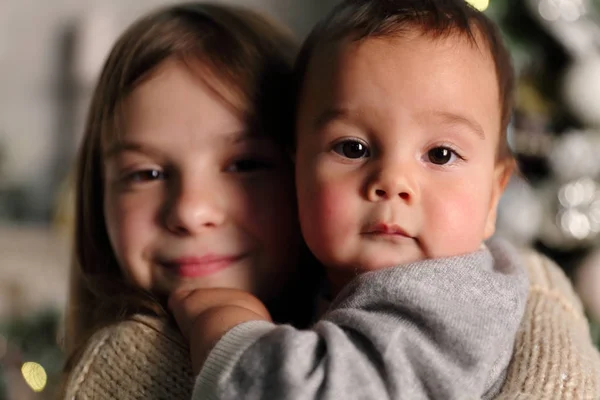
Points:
(396, 152)
(192, 198)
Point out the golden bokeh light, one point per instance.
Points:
(481, 5)
(35, 376)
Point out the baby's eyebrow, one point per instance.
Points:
(452, 118)
(329, 115)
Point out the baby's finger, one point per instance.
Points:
(187, 306)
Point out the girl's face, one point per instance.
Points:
(192, 198)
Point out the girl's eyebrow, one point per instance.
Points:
(231, 138)
(236, 137)
(119, 147)
(245, 136)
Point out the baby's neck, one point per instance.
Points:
(337, 279)
(323, 305)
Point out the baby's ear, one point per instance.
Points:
(502, 174)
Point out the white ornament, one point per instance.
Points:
(575, 155)
(571, 214)
(587, 283)
(581, 89)
(555, 10)
(519, 213)
(575, 25)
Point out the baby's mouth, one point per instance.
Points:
(382, 229)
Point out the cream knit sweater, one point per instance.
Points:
(554, 358)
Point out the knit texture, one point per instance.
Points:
(141, 358)
(554, 358)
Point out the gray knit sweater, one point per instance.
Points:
(435, 329)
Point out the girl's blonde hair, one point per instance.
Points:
(244, 57)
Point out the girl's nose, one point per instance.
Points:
(194, 207)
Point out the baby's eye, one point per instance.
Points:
(145, 175)
(442, 155)
(352, 149)
(249, 165)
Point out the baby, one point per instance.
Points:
(401, 157)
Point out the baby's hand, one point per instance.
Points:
(205, 315)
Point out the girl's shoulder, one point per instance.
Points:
(139, 358)
(554, 356)
(547, 280)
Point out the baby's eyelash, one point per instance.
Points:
(351, 149)
(451, 147)
(442, 155)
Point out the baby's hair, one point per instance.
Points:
(244, 57)
(362, 19)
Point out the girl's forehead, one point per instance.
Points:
(152, 91)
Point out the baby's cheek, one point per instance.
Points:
(326, 217)
(459, 225)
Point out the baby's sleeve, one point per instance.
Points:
(139, 358)
(435, 331)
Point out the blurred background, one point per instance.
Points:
(51, 53)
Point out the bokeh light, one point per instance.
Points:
(35, 376)
(481, 5)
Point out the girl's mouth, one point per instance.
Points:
(194, 267)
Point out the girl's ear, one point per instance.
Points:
(502, 174)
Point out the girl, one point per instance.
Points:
(182, 183)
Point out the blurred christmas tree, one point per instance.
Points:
(555, 133)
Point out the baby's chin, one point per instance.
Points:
(391, 262)
(377, 260)
(340, 274)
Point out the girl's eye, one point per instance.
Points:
(146, 175)
(352, 149)
(249, 165)
(441, 155)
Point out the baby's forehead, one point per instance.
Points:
(433, 79)
(416, 49)
(331, 50)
